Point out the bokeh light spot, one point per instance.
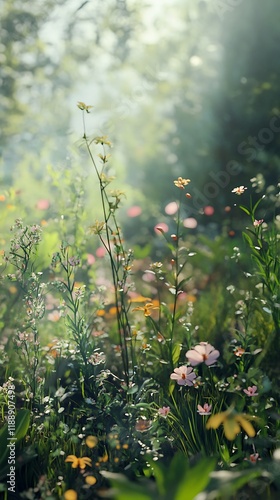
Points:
(208, 210)
(134, 211)
(171, 208)
(190, 223)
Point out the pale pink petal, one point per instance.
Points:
(201, 348)
(180, 370)
(188, 371)
(183, 381)
(209, 348)
(212, 358)
(194, 357)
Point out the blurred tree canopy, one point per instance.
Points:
(182, 88)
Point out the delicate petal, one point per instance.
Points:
(182, 381)
(200, 408)
(216, 420)
(188, 370)
(212, 358)
(247, 426)
(201, 348)
(189, 381)
(231, 428)
(174, 376)
(84, 461)
(194, 357)
(208, 349)
(180, 370)
(74, 459)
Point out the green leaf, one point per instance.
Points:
(160, 474)
(128, 490)
(132, 389)
(224, 484)
(245, 209)
(176, 349)
(195, 479)
(248, 239)
(183, 282)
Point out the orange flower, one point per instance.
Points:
(146, 309)
(81, 462)
(239, 351)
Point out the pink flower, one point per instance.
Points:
(163, 412)
(183, 375)
(254, 457)
(251, 391)
(203, 352)
(205, 409)
(257, 223)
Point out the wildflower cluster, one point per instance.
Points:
(139, 368)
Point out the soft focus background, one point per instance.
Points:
(187, 88)
(94, 318)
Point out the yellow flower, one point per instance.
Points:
(81, 105)
(146, 309)
(81, 462)
(91, 441)
(97, 228)
(70, 495)
(103, 140)
(181, 183)
(90, 480)
(104, 158)
(232, 422)
(106, 179)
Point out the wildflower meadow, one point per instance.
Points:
(138, 375)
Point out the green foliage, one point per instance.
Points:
(178, 481)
